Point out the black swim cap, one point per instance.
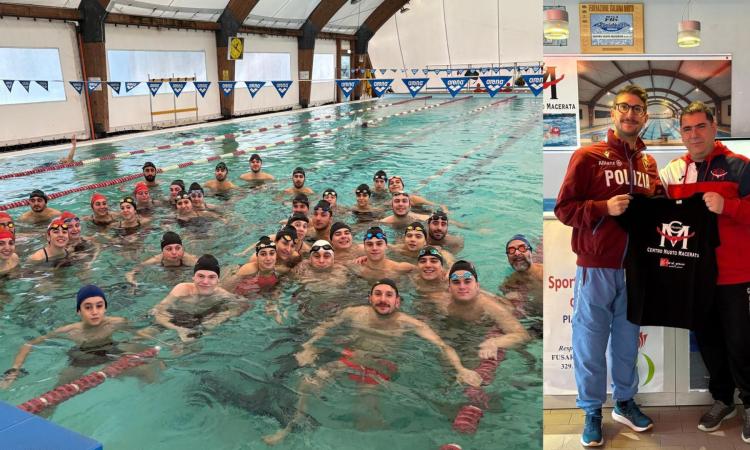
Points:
(295, 217)
(169, 238)
(438, 215)
(207, 262)
(375, 232)
(464, 265)
(338, 226)
(386, 281)
(429, 250)
(416, 226)
(289, 233)
(301, 198)
(40, 194)
(299, 170)
(222, 165)
(264, 242)
(363, 189)
(330, 191)
(195, 187)
(380, 175)
(255, 157)
(148, 164)
(324, 205)
(179, 183)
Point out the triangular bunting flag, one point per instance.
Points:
(177, 87)
(25, 84)
(425, 71)
(493, 84)
(130, 85)
(383, 71)
(281, 87)
(154, 86)
(254, 87)
(414, 85)
(202, 87)
(9, 84)
(535, 83)
(226, 86)
(43, 84)
(483, 70)
(347, 86)
(372, 72)
(496, 69)
(77, 85)
(92, 85)
(115, 86)
(381, 85)
(414, 71)
(396, 70)
(454, 85)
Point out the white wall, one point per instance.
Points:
(268, 99)
(724, 30)
(35, 122)
(465, 33)
(134, 112)
(324, 91)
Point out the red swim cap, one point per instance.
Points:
(5, 234)
(67, 215)
(97, 196)
(140, 186)
(5, 215)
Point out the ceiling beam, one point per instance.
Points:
(651, 73)
(160, 22)
(679, 66)
(38, 12)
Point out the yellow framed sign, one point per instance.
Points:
(236, 48)
(611, 27)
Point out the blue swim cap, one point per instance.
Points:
(87, 292)
(519, 237)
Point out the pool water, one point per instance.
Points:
(235, 383)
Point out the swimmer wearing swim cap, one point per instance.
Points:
(437, 232)
(149, 174)
(256, 173)
(257, 275)
(368, 322)
(221, 182)
(39, 212)
(176, 187)
(101, 215)
(322, 218)
(300, 222)
(129, 218)
(8, 256)
(430, 276)
(93, 335)
(523, 287)
(375, 264)
(396, 185)
(144, 202)
(172, 255)
(402, 214)
(197, 196)
(56, 250)
(300, 204)
(298, 183)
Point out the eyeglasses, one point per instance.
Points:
(316, 248)
(376, 235)
(699, 127)
(465, 276)
(520, 249)
(625, 108)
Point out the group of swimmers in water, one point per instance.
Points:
(311, 248)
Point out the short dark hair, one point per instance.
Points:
(697, 107)
(633, 89)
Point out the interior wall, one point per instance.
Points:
(34, 122)
(267, 99)
(723, 30)
(324, 91)
(484, 32)
(134, 112)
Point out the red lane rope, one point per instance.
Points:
(230, 136)
(86, 382)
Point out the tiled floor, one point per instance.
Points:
(675, 428)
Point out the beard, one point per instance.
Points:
(150, 178)
(521, 263)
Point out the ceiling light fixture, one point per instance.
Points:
(688, 31)
(556, 24)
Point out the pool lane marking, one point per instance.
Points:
(472, 150)
(216, 138)
(125, 179)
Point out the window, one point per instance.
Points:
(323, 67)
(263, 67)
(140, 65)
(602, 114)
(31, 64)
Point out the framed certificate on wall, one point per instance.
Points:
(611, 27)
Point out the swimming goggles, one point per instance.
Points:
(265, 244)
(438, 215)
(362, 192)
(8, 225)
(182, 196)
(395, 178)
(431, 251)
(378, 235)
(316, 248)
(57, 226)
(520, 249)
(466, 276)
(322, 208)
(128, 200)
(196, 194)
(414, 228)
(379, 177)
(330, 193)
(73, 219)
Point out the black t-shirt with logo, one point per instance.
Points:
(671, 260)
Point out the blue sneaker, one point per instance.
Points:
(628, 413)
(592, 430)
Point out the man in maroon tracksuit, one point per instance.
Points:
(724, 179)
(597, 186)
